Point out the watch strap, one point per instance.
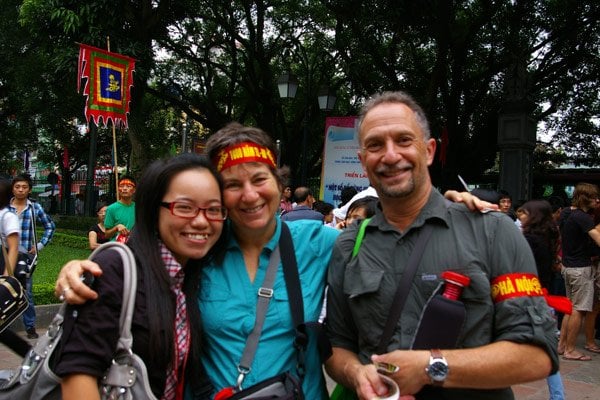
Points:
(436, 353)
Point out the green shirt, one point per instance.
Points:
(481, 246)
(119, 213)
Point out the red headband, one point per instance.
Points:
(127, 182)
(243, 153)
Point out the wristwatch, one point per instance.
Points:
(437, 368)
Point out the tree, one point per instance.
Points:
(132, 27)
(453, 57)
(218, 61)
(227, 59)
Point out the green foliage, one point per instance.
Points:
(70, 240)
(218, 61)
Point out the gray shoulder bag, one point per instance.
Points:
(126, 378)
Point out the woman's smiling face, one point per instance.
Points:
(190, 237)
(251, 194)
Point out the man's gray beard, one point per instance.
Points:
(397, 193)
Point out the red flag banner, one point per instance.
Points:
(109, 77)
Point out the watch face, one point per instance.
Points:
(438, 370)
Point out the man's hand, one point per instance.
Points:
(367, 384)
(411, 375)
(69, 285)
(473, 203)
(345, 368)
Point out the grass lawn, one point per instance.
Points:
(50, 261)
(52, 258)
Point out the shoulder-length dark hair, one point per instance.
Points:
(540, 222)
(144, 241)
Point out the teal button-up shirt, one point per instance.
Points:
(228, 310)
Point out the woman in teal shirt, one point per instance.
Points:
(252, 191)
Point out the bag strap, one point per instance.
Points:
(291, 276)
(359, 236)
(46, 345)
(33, 233)
(295, 299)
(129, 291)
(265, 292)
(7, 267)
(404, 287)
(33, 226)
(285, 253)
(3, 211)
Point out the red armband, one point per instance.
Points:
(508, 286)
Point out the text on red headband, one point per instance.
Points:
(242, 153)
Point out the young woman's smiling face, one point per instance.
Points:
(190, 237)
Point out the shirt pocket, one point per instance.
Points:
(362, 288)
(361, 281)
(215, 305)
(479, 289)
(279, 311)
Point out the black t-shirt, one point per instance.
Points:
(577, 245)
(101, 235)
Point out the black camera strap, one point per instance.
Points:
(404, 287)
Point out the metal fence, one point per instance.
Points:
(54, 201)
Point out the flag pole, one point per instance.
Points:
(114, 137)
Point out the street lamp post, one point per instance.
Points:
(184, 135)
(278, 147)
(288, 85)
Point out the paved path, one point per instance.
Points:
(580, 378)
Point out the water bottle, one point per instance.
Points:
(443, 317)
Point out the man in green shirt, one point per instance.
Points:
(507, 336)
(120, 215)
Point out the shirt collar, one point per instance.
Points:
(232, 243)
(436, 209)
(174, 268)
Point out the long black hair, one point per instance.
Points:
(540, 222)
(144, 242)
